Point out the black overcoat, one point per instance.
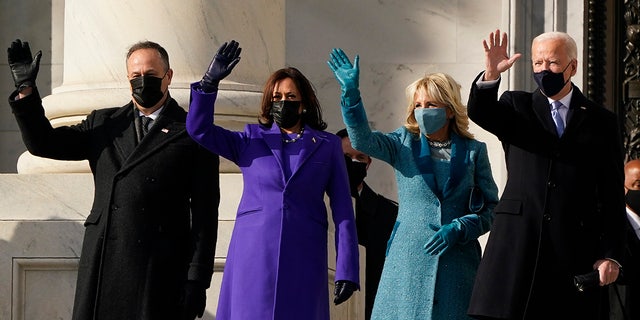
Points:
(375, 218)
(626, 294)
(153, 222)
(562, 208)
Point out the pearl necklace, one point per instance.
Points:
(440, 144)
(298, 136)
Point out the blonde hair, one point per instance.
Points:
(444, 90)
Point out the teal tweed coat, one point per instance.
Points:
(415, 285)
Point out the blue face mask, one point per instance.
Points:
(430, 120)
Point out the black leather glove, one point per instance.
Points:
(226, 58)
(194, 300)
(343, 290)
(24, 68)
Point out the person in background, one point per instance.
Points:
(446, 194)
(150, 238)
(277, 261)
(375, 217)
(625, 294)
(562, 209)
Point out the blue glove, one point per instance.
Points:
(226, 58)
(343, 290)
(347, 75)
(445, 238)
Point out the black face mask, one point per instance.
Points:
(285, 113)
(147, 90)
(633, 200)
(357, 171)
(550, 83)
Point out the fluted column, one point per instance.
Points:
(97, 35)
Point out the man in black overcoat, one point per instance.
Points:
(375, 218)
(149, 240)
(625, 294)
(562, 209)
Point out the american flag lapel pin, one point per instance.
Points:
(165, 130)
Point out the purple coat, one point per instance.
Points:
(276, 266)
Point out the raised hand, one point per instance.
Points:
(24, 67)
(347, 74)
(223, 62)
(497, 58)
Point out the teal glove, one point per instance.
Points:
(347, 75)
(445, 238)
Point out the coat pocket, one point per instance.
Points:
(93, 217)
(509, 206)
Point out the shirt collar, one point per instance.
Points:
(634, 219)
(154, 115)
(566, 100)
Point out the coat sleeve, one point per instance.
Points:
(375, 144)
(41, 139)
(610, 183)
(200, 126)
(346, 238)
(477, 224)
(205, 198)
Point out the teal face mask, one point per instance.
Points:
(430, 120)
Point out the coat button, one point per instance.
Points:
(546, 217)
(551, 184)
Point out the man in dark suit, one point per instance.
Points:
(562, 207)
(149, 240)
(625, 294)
(375, 218)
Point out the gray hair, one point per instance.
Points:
(569, 43)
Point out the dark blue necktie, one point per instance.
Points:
(146, 123)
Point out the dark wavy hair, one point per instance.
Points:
(312, 114)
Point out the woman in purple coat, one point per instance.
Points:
(277, 261)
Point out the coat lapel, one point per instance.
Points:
(273, 139)
(459, 159)
(422, 157)
(457, 169)
(577, 111)
(312, 140)
(123, 131)
(542, 110)
(169, 125)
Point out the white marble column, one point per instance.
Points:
(97, 35)
(89, 46)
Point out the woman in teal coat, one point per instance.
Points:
(446, 196)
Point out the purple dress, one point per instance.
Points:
(276, 266)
